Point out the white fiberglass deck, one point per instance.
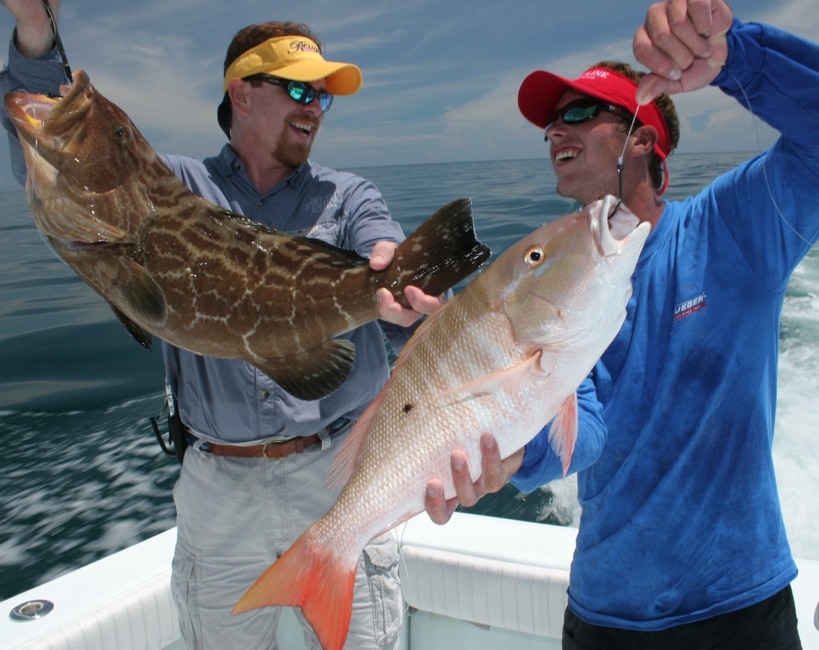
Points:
(478, 582)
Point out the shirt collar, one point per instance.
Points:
(229, 164)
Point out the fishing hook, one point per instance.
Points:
(620, 165)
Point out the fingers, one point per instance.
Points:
(667, 43)
(421, 302)
(439, 510)
(467, 491)
(393, 312)
(388, 308)
(651, 85)
(382, 255)
(495, 474)
(682, 43)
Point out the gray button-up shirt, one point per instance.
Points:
(227, 400)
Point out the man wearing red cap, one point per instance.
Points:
(254, 474)
(681, 541)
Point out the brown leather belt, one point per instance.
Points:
(271, 448)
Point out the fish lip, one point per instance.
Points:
(613, 224)
(37, 116)
(601, 232)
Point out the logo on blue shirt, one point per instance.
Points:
(689, 306)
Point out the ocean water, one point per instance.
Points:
(82, 476)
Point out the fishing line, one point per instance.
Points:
(754, 120)
(57, 40)
(620, 164)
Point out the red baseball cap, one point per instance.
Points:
(541, 91)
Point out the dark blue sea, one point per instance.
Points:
(81, 474)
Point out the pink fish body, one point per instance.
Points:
(505, 356)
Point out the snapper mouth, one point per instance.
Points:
(611, 227)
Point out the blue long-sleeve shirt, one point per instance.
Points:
(681, 519)
(228, 400)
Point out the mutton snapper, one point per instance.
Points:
(505, 356)
(197, 275)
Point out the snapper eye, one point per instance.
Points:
(534, 256)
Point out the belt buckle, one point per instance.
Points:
(272, 443)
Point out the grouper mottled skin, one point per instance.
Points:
(196, 275)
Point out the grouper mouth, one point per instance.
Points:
(50, 127)
(43, 119)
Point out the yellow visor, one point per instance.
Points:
(298, 59)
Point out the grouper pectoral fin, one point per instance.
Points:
(142, 294)
(312, 374)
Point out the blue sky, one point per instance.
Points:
(440, 76)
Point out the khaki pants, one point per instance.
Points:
(235, 516)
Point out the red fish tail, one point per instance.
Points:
(311, 578)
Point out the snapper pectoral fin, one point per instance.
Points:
(498, 381)
(563, 434)
(312, 374)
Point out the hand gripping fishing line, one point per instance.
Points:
(57, 40)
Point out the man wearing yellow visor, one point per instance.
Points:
(234, 522)
(254, 471)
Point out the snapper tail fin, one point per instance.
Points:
(314, 579)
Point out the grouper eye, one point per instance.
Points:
(533, 256)
(119, 131)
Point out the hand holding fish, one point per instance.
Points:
(505, 355)
(388, 307)
(495, 474)
(34, 35)
(682, 43)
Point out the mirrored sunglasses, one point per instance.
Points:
(585, 110)
(299, 91)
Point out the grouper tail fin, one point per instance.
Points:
(313, 579)
(442, 252)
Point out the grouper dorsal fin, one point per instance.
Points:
(312, 374)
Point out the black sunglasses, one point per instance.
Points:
(299, 91)
(584, 110)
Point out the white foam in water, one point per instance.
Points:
(796, 444)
